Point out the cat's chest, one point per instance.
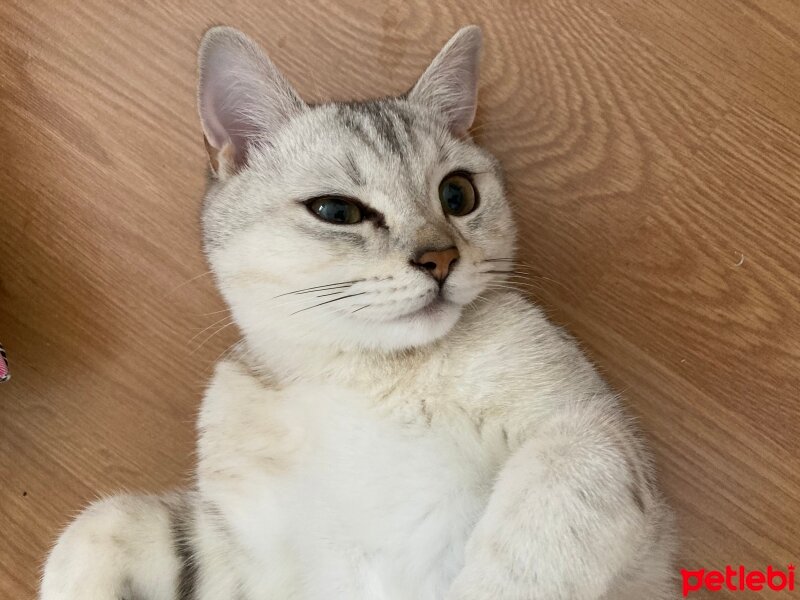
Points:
(356, 486)
(362, 457)
(381, 454)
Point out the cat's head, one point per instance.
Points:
(361, 224)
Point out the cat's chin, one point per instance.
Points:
(418, 328)
(433, 310)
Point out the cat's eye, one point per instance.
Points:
(334, 209)
(457, 195)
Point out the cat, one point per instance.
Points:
(398, 422)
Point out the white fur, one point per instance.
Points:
(399, 442)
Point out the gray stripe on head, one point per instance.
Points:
(407, 121)
(181, 526)
(383, 121)
(352, 170)
(354, 123)
(383, 125)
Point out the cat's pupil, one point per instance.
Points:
(457, 195)
(453, 195)
(336, 210)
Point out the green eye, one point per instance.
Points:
(332, 209)
(457, 195)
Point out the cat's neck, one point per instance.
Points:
(288, 361)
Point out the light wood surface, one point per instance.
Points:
(653, 155)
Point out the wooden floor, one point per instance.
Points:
(653, 154)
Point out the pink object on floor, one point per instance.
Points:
(4, 374)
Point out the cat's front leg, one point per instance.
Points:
(566, 518)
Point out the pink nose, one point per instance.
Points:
(438, 263)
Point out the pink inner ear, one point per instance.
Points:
(242, 95)
(450, 83)
(225, 104)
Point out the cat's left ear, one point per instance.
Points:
(242, 97)
(450, 83)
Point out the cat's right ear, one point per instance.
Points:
(242, 98)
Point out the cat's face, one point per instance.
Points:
(349, 225)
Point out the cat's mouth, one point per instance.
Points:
(433, 309)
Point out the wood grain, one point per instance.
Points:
(653, 155)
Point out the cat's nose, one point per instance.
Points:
(438, 263)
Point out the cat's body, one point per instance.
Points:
(454, 449)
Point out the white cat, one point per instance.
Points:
(397, 422)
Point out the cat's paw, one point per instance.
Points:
(114, 544)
